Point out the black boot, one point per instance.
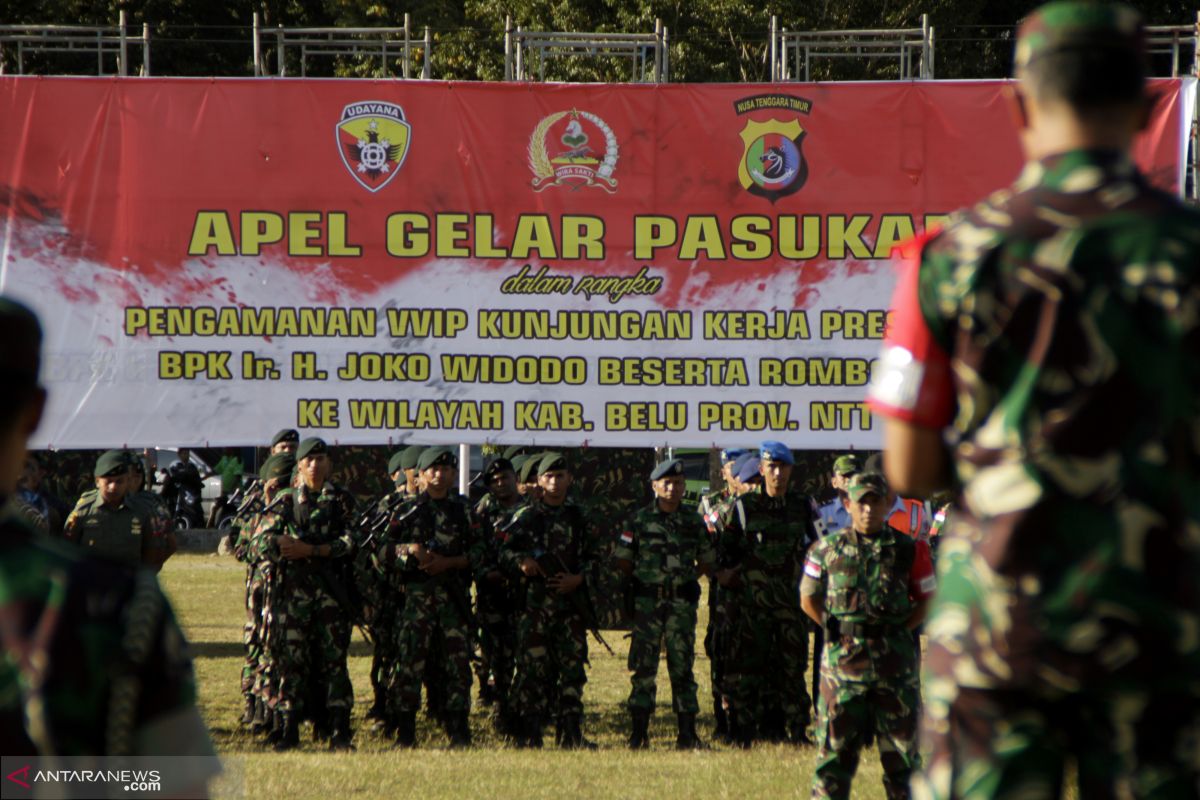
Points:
(262, 717)
(276, 732)
(531, 731)
(406, 729)
(741, 729)
(639, 736)
(722, 719)
(289, 737)
(572, 739)
(248, 712)
(459, 729)
(687, 739)
(341, 736)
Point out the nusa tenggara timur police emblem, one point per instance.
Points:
(373, 139)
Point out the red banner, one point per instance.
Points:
(389, 261)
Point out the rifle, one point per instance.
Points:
(551, 563)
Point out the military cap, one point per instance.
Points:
(846, 465)
(529, 468)
(110, 463)
(497, 465)
(667, 469)
(731, 454)
(512, 451)
(775, 451)
(551, 461)
(396, 462)
(1075, 25)
(279, 465)
(749, 469)
(740, 461)
(433, 456)
(311, 447)
(20, 357)
(865, 483)
(410, 455)
(286, 435)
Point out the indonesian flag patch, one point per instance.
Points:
(812, 569)
(627, 537)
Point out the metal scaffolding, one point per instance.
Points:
(792, 53)
(527, 52)
(109, 43)
(386, 44)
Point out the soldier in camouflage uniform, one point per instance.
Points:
(868, 586)
(436, 545)
(306, 536)
(765, 537)
(117, 525)
(665, 550)
(494, 591)
(551, 547)
(1043, 351)
(94, 661)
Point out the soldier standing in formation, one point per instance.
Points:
(1042, 356)
(868, 586)
(550, 547)
(436, 541)
(665, 550)
(95, 663)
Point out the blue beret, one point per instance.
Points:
(749, 469)
(775, 451)
(731, 454)
(740, 461)
(667, 469)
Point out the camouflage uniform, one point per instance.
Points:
(133, 533)
(314, 633)
(496, 606)
(767, 537)
(381, 602)
(1053, 330)
(551, 632)
(252, 629)
(436, 608)
(666, 550)
(714, 510)
(869, 679)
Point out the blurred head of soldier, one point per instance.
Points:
(501, 480)
(1081, 78)
(775, 466)
(554, 478)
(843, 468)
(669, 484)
(32, 474)
(113, 479)
(137, 473)
(729, 457)
(23, 399)
(867, 500)
(527, 483)
(286, 441)
(313, 464)
(438, 467)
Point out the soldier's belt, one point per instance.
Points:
(864, 630)
(688, 590)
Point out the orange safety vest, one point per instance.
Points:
(912, 519)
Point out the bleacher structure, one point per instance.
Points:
(393, 52)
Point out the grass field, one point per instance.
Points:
(207, 592)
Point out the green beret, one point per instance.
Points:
(865, 483)
(286, 435)
(512, 451)
(496, 466)
(311, 447)
(111, 463)
(846, 465)
(20, 357)
(279, 465)
(529, 469)
(396, 462)
(1076, 25)
(550, 462)
(667, 469)
(433, 456)
(410, 455)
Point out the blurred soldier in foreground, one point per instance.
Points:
(868, 586)
(114, 524)
(95, 663)
(665, 550)
(1043, 351)
(436, 546)
(551, 548)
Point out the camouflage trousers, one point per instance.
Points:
(429, 619)
(270, 636)
(497, 639)
(551, 653)
(767, 664)
(656, 621)
(848, 711)
(382, 625)
(252, 630)
(312, 655)
(1141, 739)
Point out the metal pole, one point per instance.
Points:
(932, 54)
(519, 71)
(666, 69)
(508, 43)
(257, 49)
(123, 67)
(774, 34)
(925, 34)
(427, 65)
(279, 50)
(464, 469)
(145, 49)
(407, 47)
(657, 72)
